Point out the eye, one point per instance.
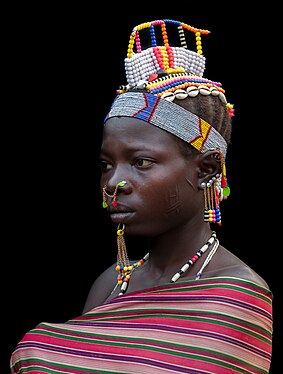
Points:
(104, 165)
(143, 163)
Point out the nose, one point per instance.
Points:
(110, 198)
(114, 185)
(115, 176)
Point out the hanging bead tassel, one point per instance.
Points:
(211, 202)
(206, 213)
(215, 201)
(123, 264)
(215, 191)
(224, 184)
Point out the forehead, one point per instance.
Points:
(127, 129)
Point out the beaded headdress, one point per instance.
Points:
(159, 73)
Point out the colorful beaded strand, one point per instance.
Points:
(208, 259)
(182, 37)
(192, 261)
(125, 280)
(198, 43)
(152, 36)
(206, 214)
(135, 38)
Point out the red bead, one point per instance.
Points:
(194, 258)
(152, 77)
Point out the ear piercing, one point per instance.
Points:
(211, 201)
(113, 197)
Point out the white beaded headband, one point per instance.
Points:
(170, 117)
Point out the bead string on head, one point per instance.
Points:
(166, 70)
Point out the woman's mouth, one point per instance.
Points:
(121, 217)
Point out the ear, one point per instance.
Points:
(209, 165)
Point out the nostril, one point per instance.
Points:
(112, 197)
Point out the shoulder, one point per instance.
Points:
(228, 264)
(101, 288)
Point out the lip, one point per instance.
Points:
(119, 209)
(120, 215)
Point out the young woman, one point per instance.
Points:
(189, 305)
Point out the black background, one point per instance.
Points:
(63, 67)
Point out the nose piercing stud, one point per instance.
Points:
(106, 195)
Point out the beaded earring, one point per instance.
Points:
(215, 190)
(124, 267)
(211, 201)
(225, 189)
(106, 195)
(123, 264)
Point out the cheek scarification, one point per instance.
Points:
(173, 202)
(191, 184)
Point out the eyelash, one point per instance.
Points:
(106, 166)
(143, 160)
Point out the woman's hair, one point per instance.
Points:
(212, 110)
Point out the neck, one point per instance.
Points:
(159, 268)
(172, 250)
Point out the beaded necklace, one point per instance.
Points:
(126, 271)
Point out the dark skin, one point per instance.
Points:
(161, 201)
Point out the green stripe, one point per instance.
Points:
(203, 319)
(35, 365)
(139, 313)
(196, 356)
(222, 285)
